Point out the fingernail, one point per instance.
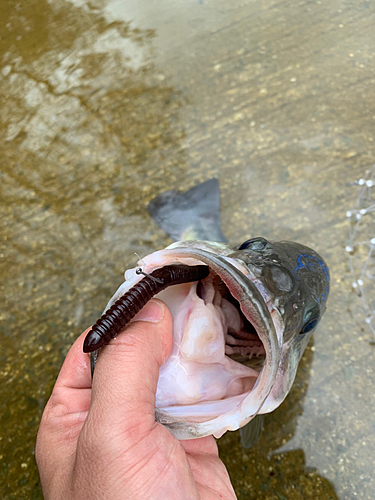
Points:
(153, 312)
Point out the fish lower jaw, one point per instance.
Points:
(224, 355)
(200, 382)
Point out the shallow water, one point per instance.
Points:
(106, 103)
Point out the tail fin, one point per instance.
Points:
(190, 215)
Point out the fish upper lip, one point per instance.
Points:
(252, 304)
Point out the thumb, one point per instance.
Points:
(127, 371)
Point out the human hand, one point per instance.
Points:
(111, 447)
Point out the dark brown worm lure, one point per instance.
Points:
(127, 306)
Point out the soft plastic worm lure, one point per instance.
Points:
(127, 306)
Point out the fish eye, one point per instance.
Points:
(255, 244)
(310, 325)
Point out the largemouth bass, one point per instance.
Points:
(239, 329)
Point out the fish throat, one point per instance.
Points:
(216, 356)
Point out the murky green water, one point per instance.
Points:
(106, 103)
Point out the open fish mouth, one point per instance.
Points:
(225, 352)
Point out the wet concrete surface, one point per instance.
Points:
(104, 104)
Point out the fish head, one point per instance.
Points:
(238, 335)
